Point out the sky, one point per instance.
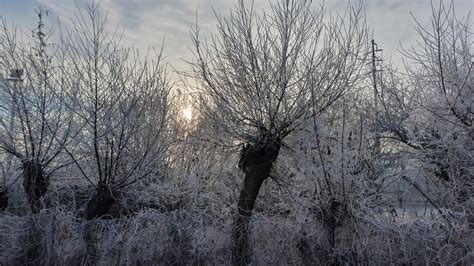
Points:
(147, 22)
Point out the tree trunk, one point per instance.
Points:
(256, 162)
(34, 249)
(3, 199)
(100, 203)
(35, 183)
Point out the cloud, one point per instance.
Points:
(146, 22)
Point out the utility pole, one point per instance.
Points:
(376, 59)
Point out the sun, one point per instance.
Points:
(188, 113)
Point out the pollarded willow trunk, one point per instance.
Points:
(332, 216)
(97, 206)
(100, 203)
(35, 183)
(3, 199)
(256, 162)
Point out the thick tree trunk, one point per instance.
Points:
(333, 215)
(34, 247)
(35, 183)
(100, 203)
(3, 199)
(96, 207)
(256, 162)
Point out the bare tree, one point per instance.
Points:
(442, 64)
(33, 121)
(264, 76)
(121, 104)
(432, 111)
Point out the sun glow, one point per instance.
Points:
(188, 113)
